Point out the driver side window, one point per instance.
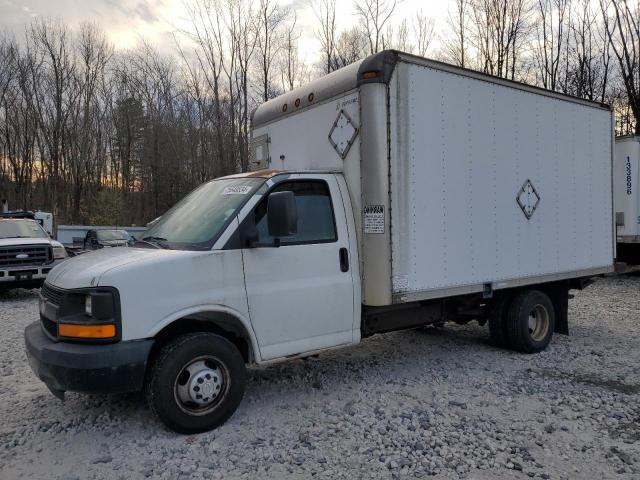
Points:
(316, 222)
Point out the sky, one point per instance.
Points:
(125, 21)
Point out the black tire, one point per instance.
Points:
(170, 380)
(534, 305)
(498, 322)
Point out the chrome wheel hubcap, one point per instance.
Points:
(200, 385)
(538, 323)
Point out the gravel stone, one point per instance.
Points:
(434, 402)
(102, 459)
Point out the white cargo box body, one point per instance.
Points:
(460, 182)
(462, 149)
(626, 180)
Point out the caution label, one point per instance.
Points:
(374, 219)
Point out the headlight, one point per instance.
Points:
(92, 315)
(88, 305)
(59, 253)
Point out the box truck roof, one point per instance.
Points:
(377, 68)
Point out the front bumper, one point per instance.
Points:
(26, 275)
(117, 367)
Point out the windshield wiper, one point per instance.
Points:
(156, 241)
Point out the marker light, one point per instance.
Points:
(86, 331)
(88, 305)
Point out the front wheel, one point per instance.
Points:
(530, 321)
(196, 383)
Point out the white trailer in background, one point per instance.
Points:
(627, 199)
(394, 193)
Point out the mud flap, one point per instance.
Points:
(559, 295)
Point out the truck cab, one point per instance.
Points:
(247, 261)
(27, 252)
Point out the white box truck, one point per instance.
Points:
(391, 194)
(627, 200)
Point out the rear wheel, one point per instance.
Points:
(196, 383)
(530, 321)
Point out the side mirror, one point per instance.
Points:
(282, 214)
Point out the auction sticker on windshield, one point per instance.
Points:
(238, 190)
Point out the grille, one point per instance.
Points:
(51, 294)
(25, 255)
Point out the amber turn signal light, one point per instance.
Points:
(86, 331)
(368, 75)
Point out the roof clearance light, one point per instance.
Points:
(285, 107)
(369, 75)
(311, 97)
(297, 102)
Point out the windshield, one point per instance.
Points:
(21, 229)
(196, 220)
(108, 235)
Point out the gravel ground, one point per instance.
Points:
(434, 402)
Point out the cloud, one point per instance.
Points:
(144, 12)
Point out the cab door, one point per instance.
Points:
(300, 293)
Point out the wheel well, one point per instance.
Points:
(223, 324)
(558, 293)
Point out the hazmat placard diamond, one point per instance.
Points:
(342, 134)
(528, 199)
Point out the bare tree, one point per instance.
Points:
(622, 24)
(499, 33)
(205, 16)
(589, 55)
(94, 52)
(246, 26)
(325, 12)
(422, 32)
(351, 46)
(8, 51)
(412, 37)
(457, 46)
(271, 19)
(52, 71)
(228, 41)
(290, 60)
(17, 125)
(552, 42)
(374, 15)
(397, 37)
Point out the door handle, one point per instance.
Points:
(344, 260)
